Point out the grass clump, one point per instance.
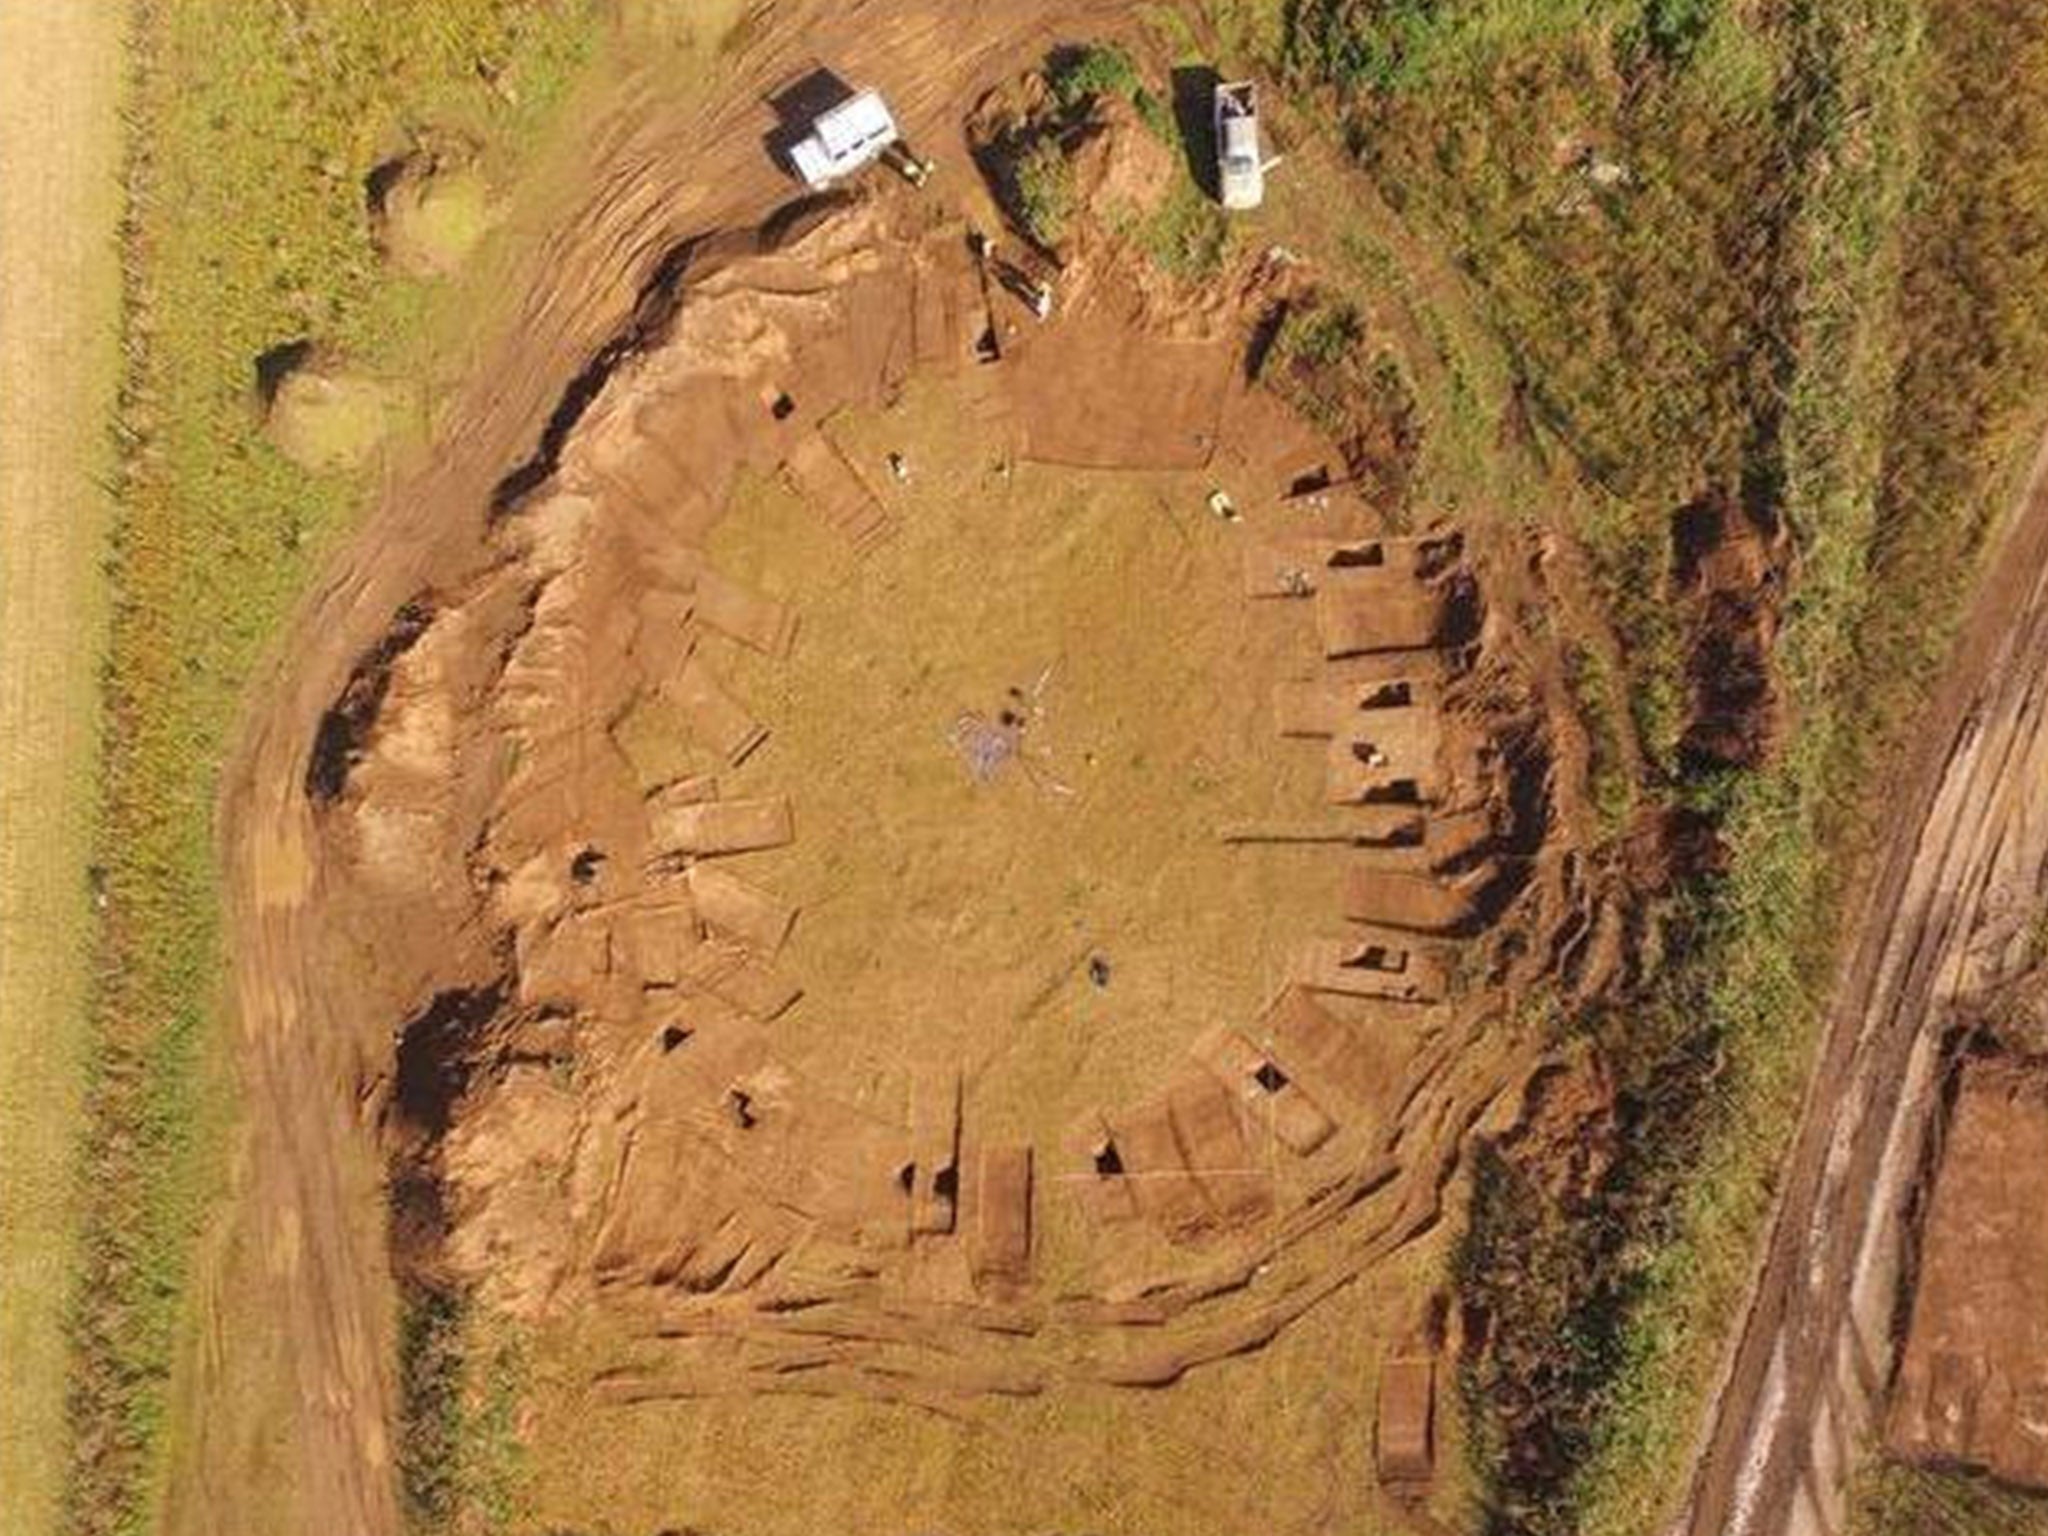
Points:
(1356, 45)
(256, 126)
(430, 1359)
(1189, 236)
(1044, 181)
(1889, 1499)
(1081, 73)
(459, 1460)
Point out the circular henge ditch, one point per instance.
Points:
(1006, 894)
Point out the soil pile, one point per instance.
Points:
(319, 413)
(1730, 570)
(427, 211)
(1123, 166)
(1972, 1387)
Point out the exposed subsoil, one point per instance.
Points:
(472, 932)
(1731, 575)
(1972, 1384)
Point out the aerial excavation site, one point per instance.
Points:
(962, 768)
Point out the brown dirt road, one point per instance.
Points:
(60, 200)
(658, 172)
(1958, 881)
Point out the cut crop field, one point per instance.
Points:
(60, 209)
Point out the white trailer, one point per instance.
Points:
(1240, 172)
(843, 139)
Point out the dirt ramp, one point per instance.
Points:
(1972, 1387)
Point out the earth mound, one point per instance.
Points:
(319, 413)
(648, 1031)
(428, 210)
(1731, 574)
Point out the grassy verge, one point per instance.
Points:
(460, 1463)
(1923, 238)
(255, 126)
(1918, 1501)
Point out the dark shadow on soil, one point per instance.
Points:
(276, 364)
(338, 741)
(659, 298)
(1194, 107)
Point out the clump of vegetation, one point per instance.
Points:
(1354, 44)
(1044, 181)
(430, 1359)
(1320, 363)
(1669, 30)
(1595, 690)
(458, 1454)
(1079, 74)
(1189, 236)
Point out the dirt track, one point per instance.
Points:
(1960, 878)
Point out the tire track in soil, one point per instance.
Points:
(1945, 916)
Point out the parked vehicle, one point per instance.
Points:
(1240, 170)
(844, 139)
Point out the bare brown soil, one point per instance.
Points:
(1732, 575)
(1971, 1383)
(530, 897)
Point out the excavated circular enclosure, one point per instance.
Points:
(883, 882)
(1060, 915)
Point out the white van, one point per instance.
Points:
(842, 140)
(1240, 172)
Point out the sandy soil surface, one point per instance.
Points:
(60, 166)
(956, 934)
(1960, 881)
